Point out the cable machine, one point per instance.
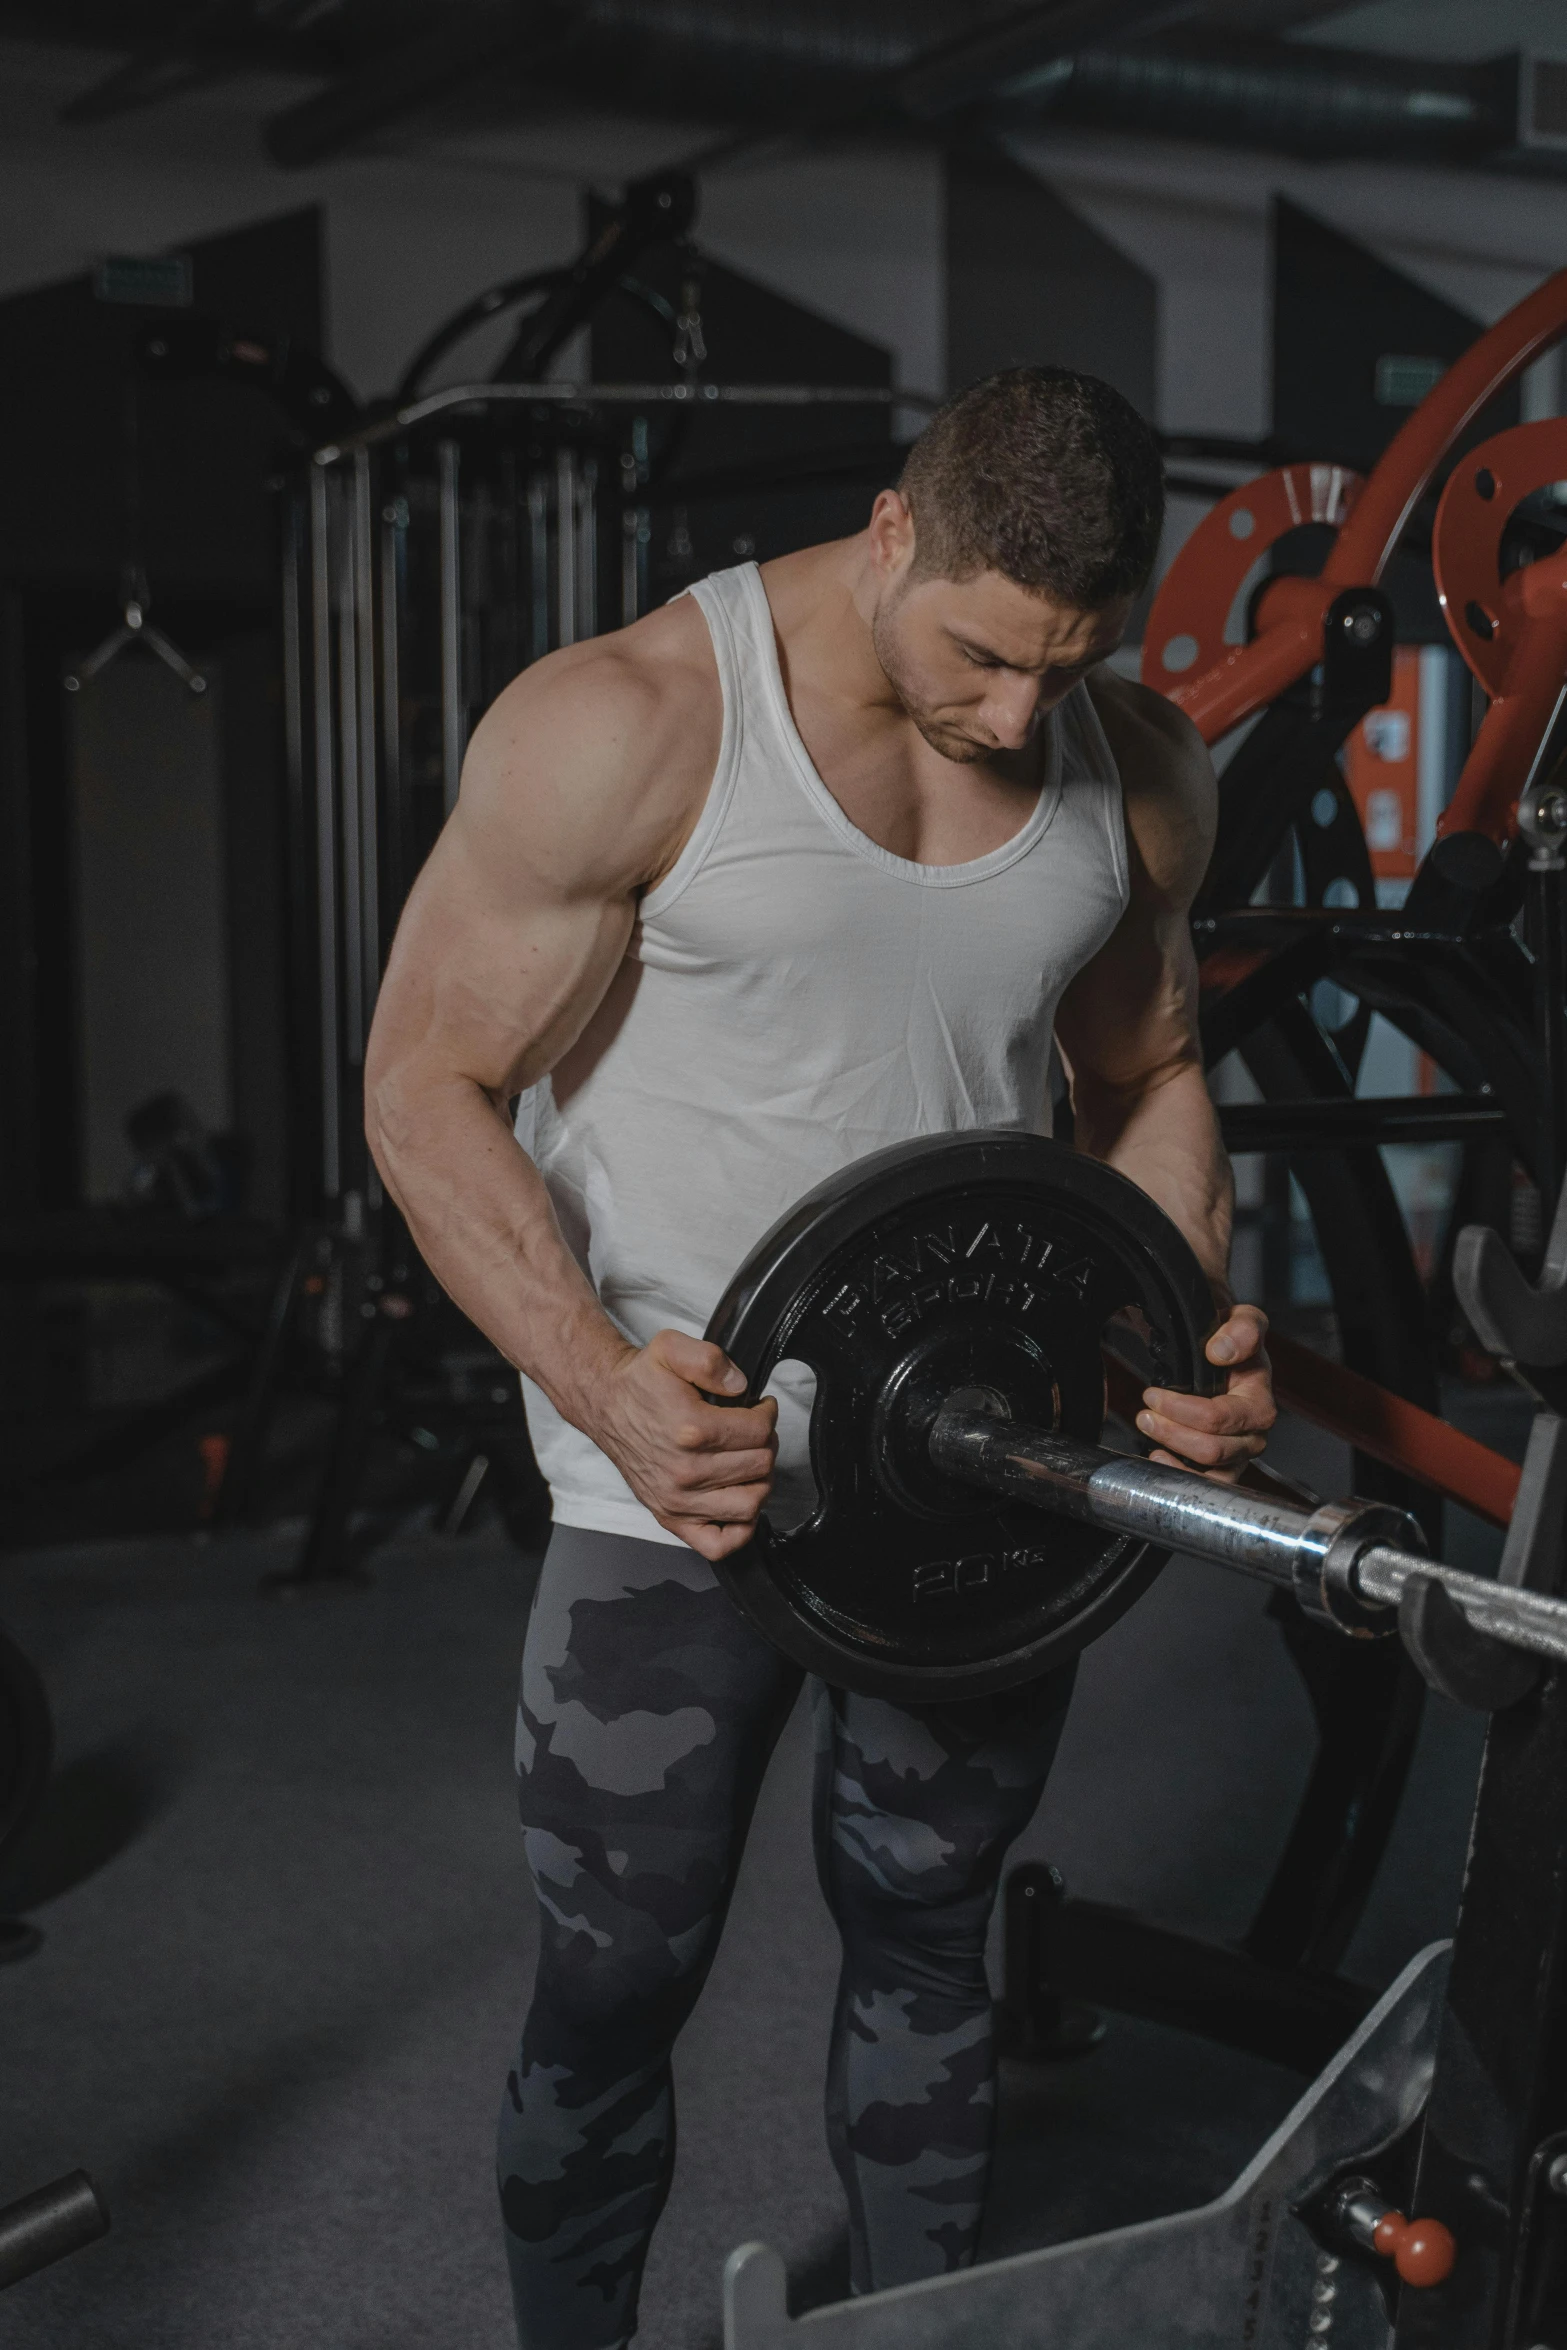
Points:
(431, 548)
(427, 559)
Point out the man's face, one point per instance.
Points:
(977, 663)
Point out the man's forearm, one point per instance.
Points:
(483, 1222)
(1165, 1136)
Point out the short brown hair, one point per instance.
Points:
(1045, 475)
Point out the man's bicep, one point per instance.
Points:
(520, 918)
(1131, 1012)
(1170, 791)
(496, 968)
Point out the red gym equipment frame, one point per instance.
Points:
(1512, 632)
(1291, 612)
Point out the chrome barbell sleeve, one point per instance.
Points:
(1339, 1560)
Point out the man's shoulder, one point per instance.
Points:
(1167, 780)
(617, 694)
(595, 762)
(1156, 745)
(625, 727)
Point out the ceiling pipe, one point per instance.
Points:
(963, 72)
(801, 64)
(1304, 101)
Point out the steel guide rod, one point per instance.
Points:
(1334, 1559)
(361, 575)
(624, 395)
(453, 715)
(566, 540)
(326, 840)
(350, 837)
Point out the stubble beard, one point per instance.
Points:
(946, 741)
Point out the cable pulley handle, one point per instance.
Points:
(1347, 1563)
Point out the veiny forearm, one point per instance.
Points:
(483, 1222)
(1164, 1134)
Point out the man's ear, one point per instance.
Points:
(891, 532)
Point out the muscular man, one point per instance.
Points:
(816, 858)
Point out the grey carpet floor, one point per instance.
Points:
(287, 1949)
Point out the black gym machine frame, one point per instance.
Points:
(1449, 2096)
(67, 2214)
(951, 1297)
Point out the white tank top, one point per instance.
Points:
(798, 997)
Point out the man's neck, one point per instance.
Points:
(823, 600)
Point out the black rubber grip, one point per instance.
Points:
(49, 2223)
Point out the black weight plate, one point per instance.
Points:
(26, 1743)
(992, 1259)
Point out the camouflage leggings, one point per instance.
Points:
(649, 1708)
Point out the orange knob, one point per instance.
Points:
(1422, 2250)
(1425, 2253)
(1388, 2233)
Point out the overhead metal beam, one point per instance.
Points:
(199, 47)
(144, 81)
(1259, 18)
(412, 77)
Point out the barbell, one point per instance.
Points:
(954, 1297)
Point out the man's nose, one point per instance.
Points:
(1010, 710)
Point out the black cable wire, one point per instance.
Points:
(499, 298)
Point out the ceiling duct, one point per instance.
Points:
(770, 60)
(1196, 69)
(814, 64)
(996, 67)
(1304, 101)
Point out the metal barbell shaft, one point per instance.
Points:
(1315, 1554)
(1523, 1619)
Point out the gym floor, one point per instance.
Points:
(287, 1945)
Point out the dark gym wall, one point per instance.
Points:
(753, 335)
(197, 512)
(1340, 314)
(1031, 283)
(202, 450)
(20, 916)
(1339, 311)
